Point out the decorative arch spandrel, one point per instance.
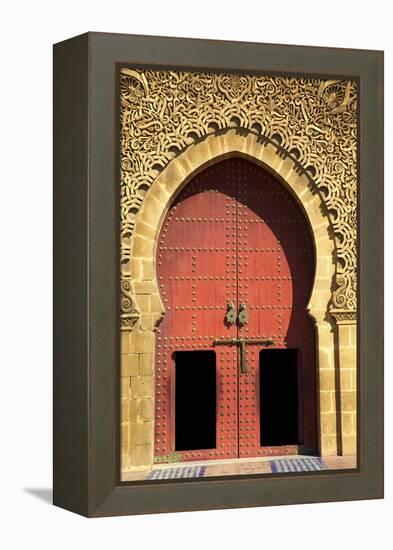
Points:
(312, 121)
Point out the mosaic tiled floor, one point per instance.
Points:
(266, 465)
(311, 464)
(178, 473)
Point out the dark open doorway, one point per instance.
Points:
(279, 397)
(195, 400)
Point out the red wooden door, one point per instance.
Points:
(196, 268)
(275, 275)
(235, 236)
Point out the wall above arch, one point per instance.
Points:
(312, 121)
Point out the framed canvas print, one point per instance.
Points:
(218, 274)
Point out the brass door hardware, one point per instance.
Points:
(243, 314)
(230, 316)
(242, 342)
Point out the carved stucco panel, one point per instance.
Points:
(312, 120)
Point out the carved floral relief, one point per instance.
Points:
(312, 120)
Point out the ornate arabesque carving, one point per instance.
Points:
(129, 311)
(312, 120)
(343, 317)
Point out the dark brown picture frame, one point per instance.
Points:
(86, 276)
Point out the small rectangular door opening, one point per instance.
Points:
(279, 397)
(195, 400)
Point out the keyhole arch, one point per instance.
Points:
(234, 233)
(195, 159)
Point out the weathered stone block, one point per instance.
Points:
(145, 410)
(124, 408)
(142, 455)
(197, 155)
(146, 366)
(344, 334)
(146, 230)
(326, 380)
(328, 423)
(136, 268)
(324, 265)
(156, 304)
(321, 231)
(346, 379)
(150, 212)
(298, 184)
(142, 342)
(133, 410)
(325, 334)
(349, 445)
(142, 386)
(348, 357)
(347, 424)
(313, 205)
(144, 287)
(129, 364)
(147, 321)
(125, 387)
(328, 445)
(125, 346)
(160, 194)
(348, 401)
(325, 359)
(172, 176)
(326, 401)
(143, 302)
(141, 433)
(322, 283)
(147, 270)
(323, 296)
(284, 167)
(142, 247)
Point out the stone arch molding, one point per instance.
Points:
(312, 121)
(181, 170)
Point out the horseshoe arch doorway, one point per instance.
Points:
(235, 352)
